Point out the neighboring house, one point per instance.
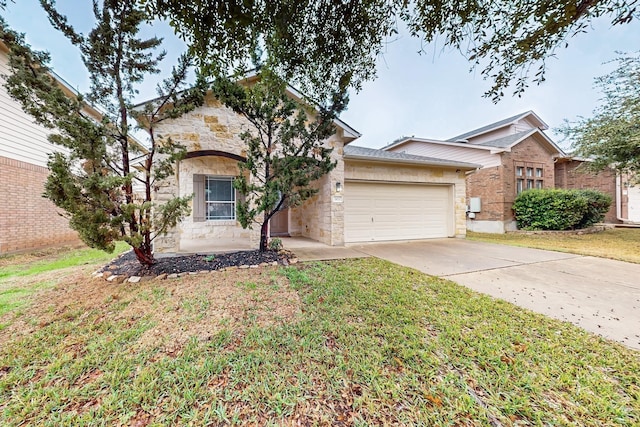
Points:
(623, 189)
(515, 155)
(371, 195)
(27, 219)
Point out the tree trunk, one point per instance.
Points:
(264, 236)
(144, 256)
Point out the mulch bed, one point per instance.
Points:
(127, 264)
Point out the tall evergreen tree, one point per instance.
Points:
(94, 174)
(285, 146)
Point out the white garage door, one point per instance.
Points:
(385, 211)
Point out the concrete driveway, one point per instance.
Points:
(600, 295)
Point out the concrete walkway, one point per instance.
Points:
(599, 295)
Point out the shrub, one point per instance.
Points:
(598, 205)
(560, 209)
(549, 209)
(275, 244)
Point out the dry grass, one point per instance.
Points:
(620, 243)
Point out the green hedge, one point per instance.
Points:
(598, 205)
(560, 209)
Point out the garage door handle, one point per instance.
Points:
(371, 219)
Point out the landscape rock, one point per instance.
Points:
(115, 279)
(134, 279)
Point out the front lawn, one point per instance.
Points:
(619, 243)
(356, 342)
(16, 270)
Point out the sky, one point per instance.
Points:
(432, 95)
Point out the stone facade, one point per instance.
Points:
(214, 127)
(28, 220)
(322, 217)
(372, 171)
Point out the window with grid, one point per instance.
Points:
(220, 198)
(528, 176)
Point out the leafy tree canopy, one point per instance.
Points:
(612, 135)
(334, 44)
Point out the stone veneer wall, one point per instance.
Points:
(322, 217)
(370, 171)
(215, 127)
(28, 220)
(210, 127)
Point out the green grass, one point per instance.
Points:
(15, 295)
(620, 243)
(68, 258)
(374, 344)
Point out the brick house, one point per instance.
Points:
(570, 172)
(371, 195)
(515, 155)
(27, 220)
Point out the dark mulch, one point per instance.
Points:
(127, 264)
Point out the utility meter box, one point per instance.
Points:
(474, 204)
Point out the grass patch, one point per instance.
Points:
(15, 288)
(372, 343)
(619, 243)
(16, 267)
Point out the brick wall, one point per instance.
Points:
(529, 153)
(28, 220)
(487, 183)
(496, 186)
(570, 175)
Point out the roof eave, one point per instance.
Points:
(457, 165)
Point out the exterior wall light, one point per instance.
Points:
(338, 187)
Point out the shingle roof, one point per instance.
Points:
(507, 141)
(355, 152)
(490, 126)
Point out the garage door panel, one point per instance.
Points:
(392, 211)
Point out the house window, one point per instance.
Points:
(220, 198)
(528, 176)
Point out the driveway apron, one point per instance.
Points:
(597, 294)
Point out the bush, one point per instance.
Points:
(598, 205)
(560, 209)
(275, 244)
(549, 209)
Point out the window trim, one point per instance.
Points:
(232, 202)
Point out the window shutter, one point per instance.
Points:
(198, 198)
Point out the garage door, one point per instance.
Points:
(385, 211)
